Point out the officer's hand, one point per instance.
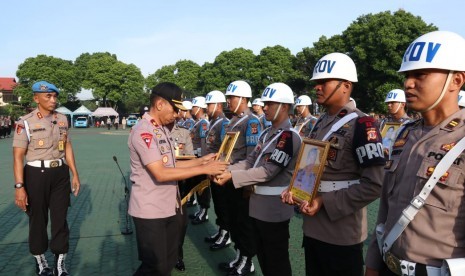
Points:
(76, 186)
(21, 198)
(371, 272)
(207, 158)
(215, 167)
(223, 178)
(313, 208)
(286, 197)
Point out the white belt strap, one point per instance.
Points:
(339, 124)
(268, 190)
(47, 163)
(329, 186)
(417, 202)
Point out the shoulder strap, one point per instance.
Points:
(339, 124)
(409, 213)
(28, 133)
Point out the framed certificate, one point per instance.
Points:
(308, 170)
(227, 146)
(389, 133)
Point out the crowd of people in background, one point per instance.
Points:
(5, 126)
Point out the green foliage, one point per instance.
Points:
(57, 71)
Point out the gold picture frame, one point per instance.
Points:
(227, 146)
(308, 170)
(389, 133)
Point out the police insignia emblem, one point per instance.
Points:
(40, 143)
(332, 154)
(39, 115)
(19, 129)
(165, 159)
(158, 135)
(452, 124)
(61, 123)
(399, 143)
(254, 127)
(43, 87)
(147, 138)
(371, 134)
(447, 147)
(429, 171)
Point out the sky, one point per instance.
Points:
(154, 33)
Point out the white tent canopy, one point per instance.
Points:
(104, 111)
(82, 110)
(64, 110)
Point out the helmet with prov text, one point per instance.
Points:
(257, 101)
(215, 96)
(435, 50)
(335, 66)
(396, 95)
(187, 104)
(239, 88)
(303, 100)
(199, 102)
(278, 92)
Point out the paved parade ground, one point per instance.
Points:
(97, 217)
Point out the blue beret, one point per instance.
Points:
(44, 87)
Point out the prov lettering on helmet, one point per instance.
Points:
(323, 66)
(415, 50)
(269, 92)
(369, 151)
(232, 88)
(392, 95)
(298, 101)
(208, 98)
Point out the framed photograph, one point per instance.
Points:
(388, 133)
(308, 170)
(227, 146)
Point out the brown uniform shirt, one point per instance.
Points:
(274, 169)
(215, 133)
(438, 230)
(148, 143)
(182, 139)
(46, 135)
(305, 125)
(355, 153)
(198, 135)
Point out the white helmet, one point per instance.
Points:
(438, 50)
(199, 101)
(257, 101)
(303, 100)
(335, 66)
(278, 92)
(215, 96)
(462, 98)
(240, 89)
(396, 95)
(187, 105)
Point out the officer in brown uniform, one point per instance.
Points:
(155, 201)
(421, 215)
(215, 134)
(270, 168)
(183, 146)
(43, 185)
(237, 95)
(335, 224)
(305, 120)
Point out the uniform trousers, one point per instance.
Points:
(157, 244)
(241, 226)
(272, 239)
(48, 189)
(183, 220)
(219, 203)
(324, 259)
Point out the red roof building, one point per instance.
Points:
(6, 89)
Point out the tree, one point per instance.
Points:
(185, 74)
(109, 79)
(57, 71)
(229, 66)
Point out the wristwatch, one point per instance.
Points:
(19, 185)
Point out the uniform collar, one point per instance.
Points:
(286, 124)
(246, 112)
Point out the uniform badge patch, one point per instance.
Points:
(388, 165)
(40, 143)
(147, 138)
(371, 134)
(39, 115)
(448, 147)
(158, 135)
(61, 123)
(452, 124)
(399, 143)
(19, 128)
(254, 128)
(332, 154)
(165, 159)
(429, 171)
(155, 130)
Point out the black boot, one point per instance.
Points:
(244, 267)
(201, 217)
(213, 237)
(194, 215)
(180, 265)
(223, 241)
(60, 269)
(230, 265)
(42, 268)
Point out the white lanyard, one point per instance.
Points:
(217, 121)
(339, 124)
(242, 119)
(263, 149)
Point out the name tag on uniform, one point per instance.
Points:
(61, 145)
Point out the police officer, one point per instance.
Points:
(215, 134)
(395, 101)
(186, 116)
(335, 223)
(257, 109)
(43, 184)
(154, 203)
(238, 94)
(305, 120)
(183, 146)
(432, 214)
(198, 136)
(270, 168)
